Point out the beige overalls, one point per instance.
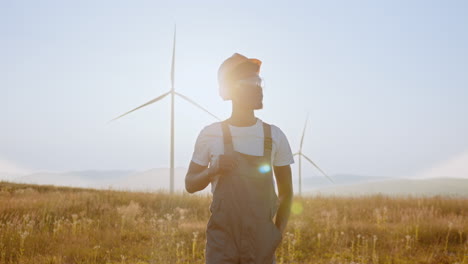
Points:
(241, 228)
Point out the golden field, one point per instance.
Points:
(48, 224)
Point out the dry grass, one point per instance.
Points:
(47, 224)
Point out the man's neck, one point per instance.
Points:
(242, 117)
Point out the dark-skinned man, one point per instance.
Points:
(239, 157)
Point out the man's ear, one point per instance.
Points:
(233, 91)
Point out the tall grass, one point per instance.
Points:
(47, 224)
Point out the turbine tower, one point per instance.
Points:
(300, 155)
(173, 93)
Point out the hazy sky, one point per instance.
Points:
(385, 83)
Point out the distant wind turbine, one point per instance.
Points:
(172, 92)
(300, 154)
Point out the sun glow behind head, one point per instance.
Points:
(264, 168)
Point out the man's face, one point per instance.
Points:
(248, 92)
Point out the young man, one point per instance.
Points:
(241, 152)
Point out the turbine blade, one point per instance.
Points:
(173, 59)
(197, 105)
(313, 163)
(150, 102)
(297, 153)
(303, 133)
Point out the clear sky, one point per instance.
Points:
(385, 83)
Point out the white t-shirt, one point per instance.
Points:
(247, 140)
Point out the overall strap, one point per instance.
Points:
(267, 142)
(227, 139)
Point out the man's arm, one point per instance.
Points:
(197, 178)
(285, 195)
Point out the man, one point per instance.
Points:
(240, 152)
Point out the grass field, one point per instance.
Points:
(48, 224)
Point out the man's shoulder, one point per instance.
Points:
(211, 129)
(275, 130)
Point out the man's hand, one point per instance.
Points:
(198, 176)
(221, 163)
(227, 163)
(285, 195)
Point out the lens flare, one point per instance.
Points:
(296, 208)
(264, 168)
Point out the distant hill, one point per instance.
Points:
(456, 187)
(88, 178)
(454, 167)
(158, 179)
(8, 176)
(128, 180)
(151, 180)
(312, 183)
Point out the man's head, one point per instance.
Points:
(239, 81)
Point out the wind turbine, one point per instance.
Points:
(173, 93)
(300, 154)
